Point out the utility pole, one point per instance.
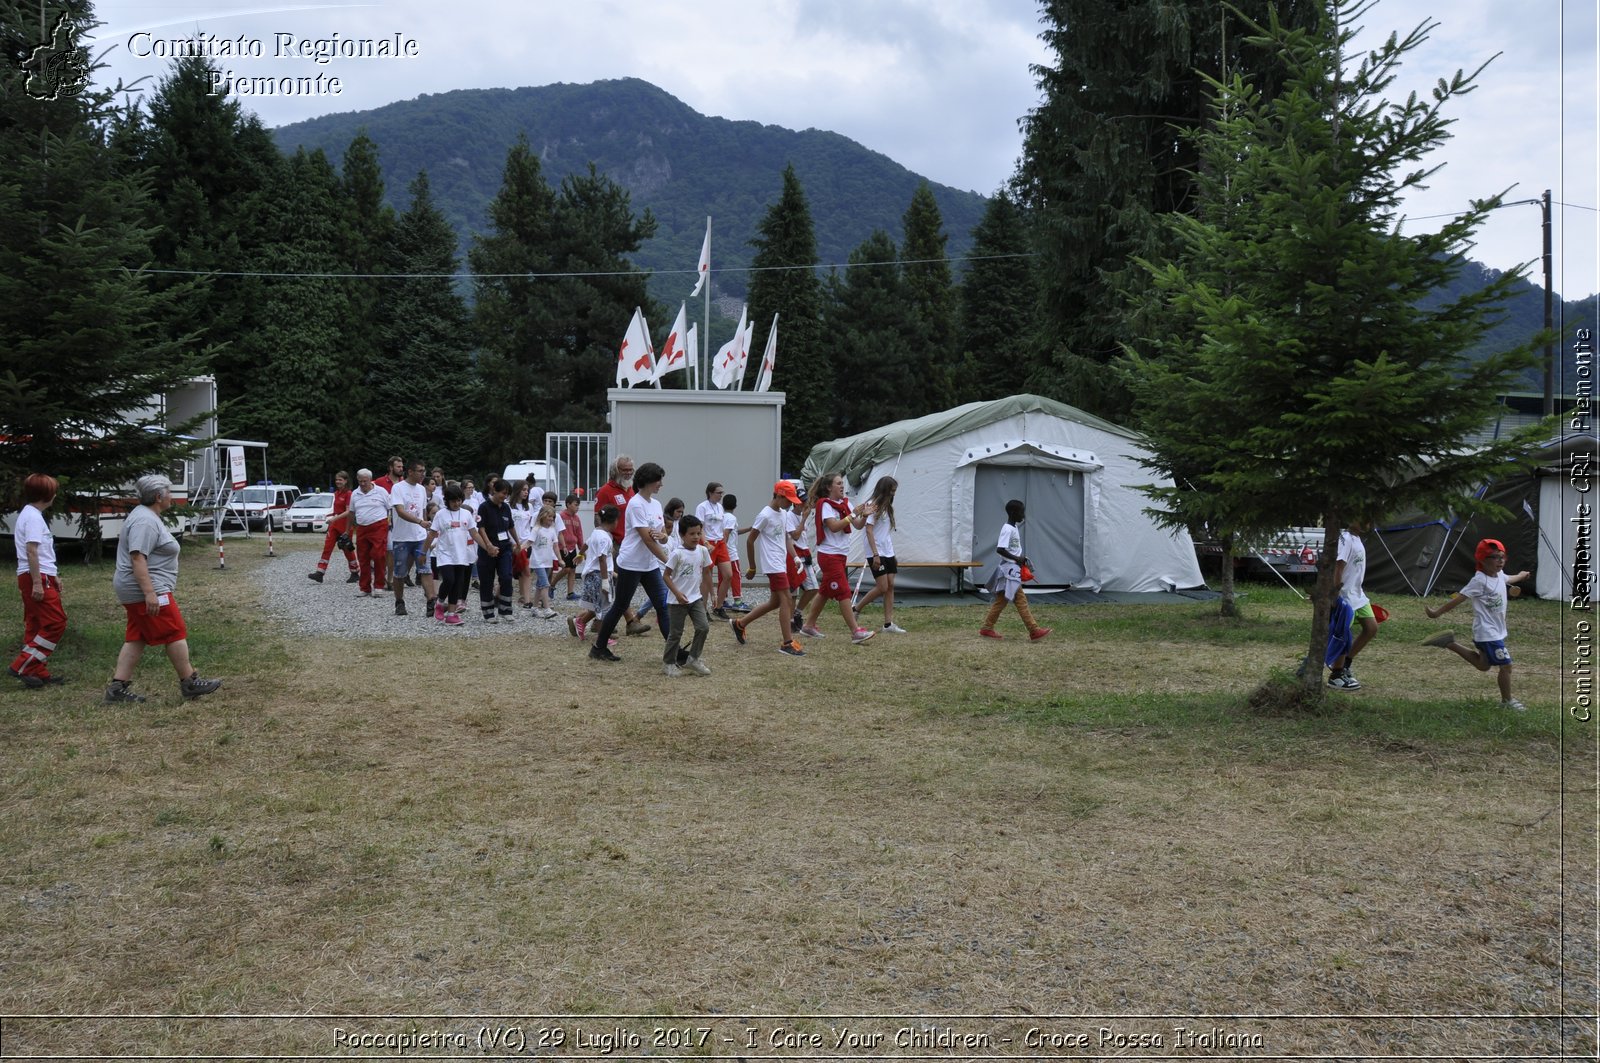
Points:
(1549, 315)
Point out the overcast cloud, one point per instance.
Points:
(937, 85)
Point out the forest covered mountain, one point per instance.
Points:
(680, 164)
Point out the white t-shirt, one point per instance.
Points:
(772, 528)
(882, 536)
(730, 524)
(413, 498)
(31, 527)
(832, 542)
(542, 554)
(1488, 596)
(684, 567)
(1354, 555)
(473, 501)
(646, 513)
(523, 521)
(1010, 539)
(454, 545)
(599, 546)
(711, 515)
(370, 507)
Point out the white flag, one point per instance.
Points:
(744, 348)
(694, 353)
(764, 374)
(636, 362)
(705, 261)
(673, 352)
(726, 370)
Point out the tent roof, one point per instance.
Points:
(855, 455)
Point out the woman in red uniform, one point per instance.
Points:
(43, 619)
(339, 527)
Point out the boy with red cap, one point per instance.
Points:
(1487, 590)
(770, 530)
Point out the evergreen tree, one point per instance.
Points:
(930, 303)
(84, 353)
(1305, 384)
(875, 368)
(512, 313)
(1103, 160)
(367, 248)
(427, 380)
(784, 283)
(998, 304)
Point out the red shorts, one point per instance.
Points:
(165, 627)
(519, 563)
(834, 583)
(778, 581)
(719, 552)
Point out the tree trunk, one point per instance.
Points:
(1230, 602)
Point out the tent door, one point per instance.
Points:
(1052, 537)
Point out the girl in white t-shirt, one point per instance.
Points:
(523, 517)
(713, 518)
(880, 551)
(541, 559)
(454, 550)
(43, 619)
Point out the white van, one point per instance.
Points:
(261, 505)
(554, 477)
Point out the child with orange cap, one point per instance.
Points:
(1487, 590)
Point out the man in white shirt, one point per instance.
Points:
(408, 501)
(370, 505)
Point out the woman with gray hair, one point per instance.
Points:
(145, 580)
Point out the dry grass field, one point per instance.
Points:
(1089, 834)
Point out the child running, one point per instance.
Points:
(688, 577)
(730, 534)
(880, 551)
(596, 575)
(450, 541)
(1488, 590)
(1006, 583)
(770, 530)
(834, 522)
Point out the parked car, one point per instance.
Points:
(554, 477)
(310, 513)
(260, 506)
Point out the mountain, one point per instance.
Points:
(1521, 317)
(679, 163)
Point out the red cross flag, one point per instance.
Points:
(705, 262)
(764, 374)
(636, 361)
(674, 353)
(728, 368)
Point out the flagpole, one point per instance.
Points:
(698, 371)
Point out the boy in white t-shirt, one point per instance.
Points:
(596, 573)
(770, 531)
(1487, 591)
(688, 576)
(1351, 571)
(1006, 583)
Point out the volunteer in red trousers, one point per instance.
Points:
(43, 619)
(369, 507)
(339, 527)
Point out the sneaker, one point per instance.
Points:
(797, 622)
(572, 627)
(698, 667)
(860, 635)
(671, 671)
(354, 577)
(601, 653)
(1514, 705)
(438, 610)
(1343, 681)
(1350, 680)
(508, 617)
(1441, 640)
(792, 648)
(572, 597)
(490, 618)
(195, 687)
(990, 633)
(118, 691)
(638, 627)
(528, 606)
(400, 608)
(720, 613)
(894, 629)
(315, 577)
(32, 682)
(453, 619)
(366, 594)
(811, 632)
(738, 606)
(738, 630)
(1038, 633)
(549, 614)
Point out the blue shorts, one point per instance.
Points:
(407, 554)
(541, 577)
(1494, 652)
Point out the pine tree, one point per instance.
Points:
(875, 369)
(998, 304)
(785, 283)
(1103, 161)
(366, 248)
(82, 344)
(1304, 383)
(930, 303)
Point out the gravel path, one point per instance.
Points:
(335, 608)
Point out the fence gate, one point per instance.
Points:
(587, 454)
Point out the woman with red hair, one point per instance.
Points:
(43, 619)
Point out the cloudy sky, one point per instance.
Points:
(937, 85)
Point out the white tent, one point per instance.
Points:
(1077, 474)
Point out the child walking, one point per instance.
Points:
(1006, 583)
(571, 542)
(712, 515)
(596, 576)
(688, 577)
(834, 522)
(730, 534)
(880, 551)
(451, 543)
(1487, 590)
(541, 558)
(770, 530)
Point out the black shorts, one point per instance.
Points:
(883, 566)
(569, 559)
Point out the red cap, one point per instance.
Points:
(786, 490)
(1486, 547)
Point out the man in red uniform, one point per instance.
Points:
(369, 506)
(339, 525)
(616, 491)
(396, 473)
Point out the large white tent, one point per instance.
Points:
(1079, 476)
